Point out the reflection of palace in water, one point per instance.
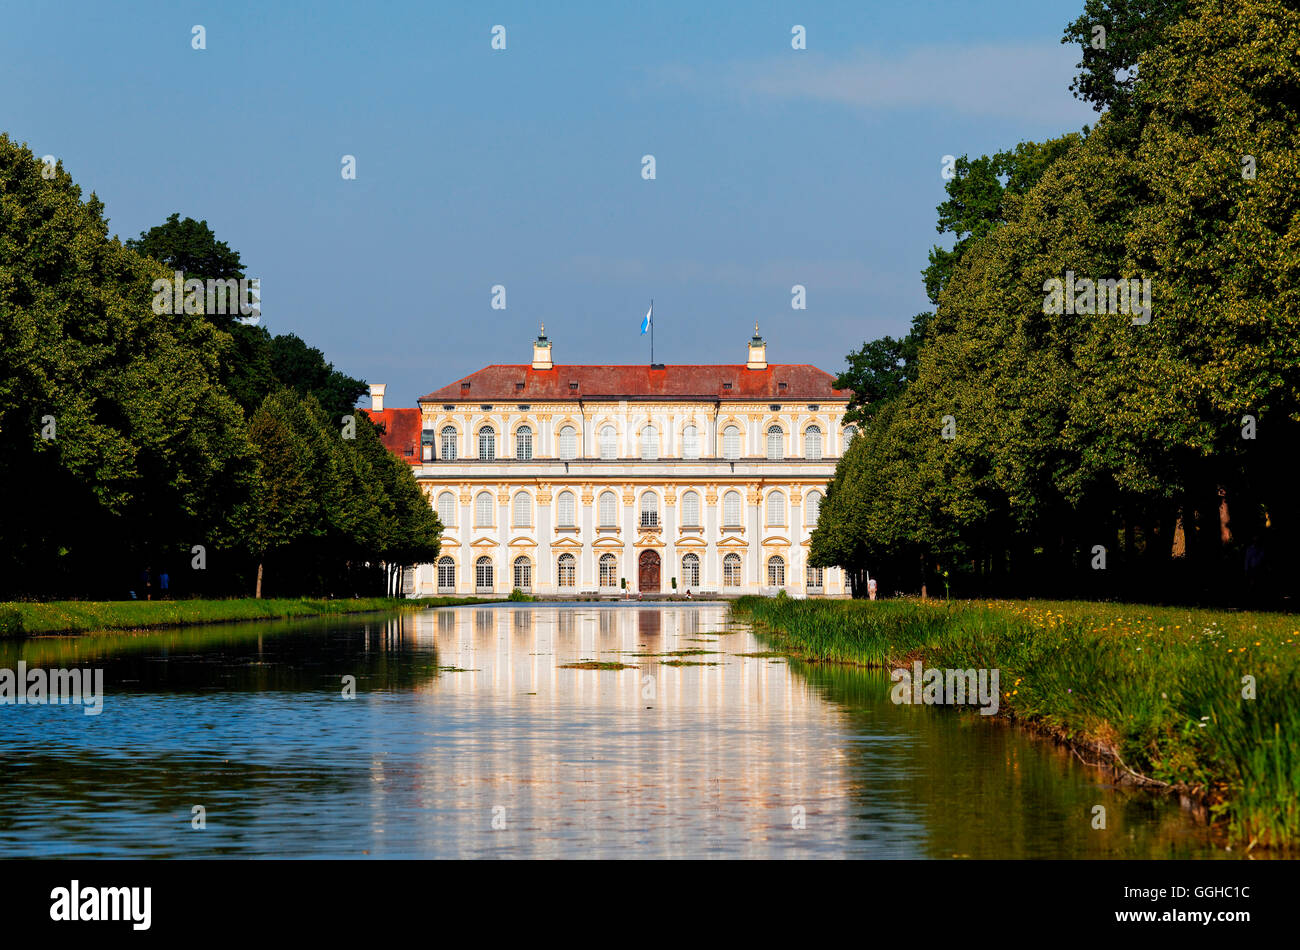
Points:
(603, 755)
(573, 479)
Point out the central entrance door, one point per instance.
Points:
(648, 576)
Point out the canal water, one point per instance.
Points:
(469, 737)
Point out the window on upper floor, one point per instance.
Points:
(813, 509)
(447, 509)
(608, 443)
(487, 443)
(775, 442)
(812, 442)
(449, 443)
(731, 510)
(731, 442)
(649, 510)
(608, 510)
(691, 509)
(690, 443)
(523, 510)
(568, 443)
(649, 442)
(524, 443)
(483, 510)
(776, 509)
(565, 508)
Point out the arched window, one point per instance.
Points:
(850, 433)
(566, 571)
(449, 443)
(566, 515)
(447, 509)
(609, 443)
(690, 443)
(524, 443)
(608, 570)
(608, 510)
(812, 442)
(776, 509)
(649, 442)
(731, 510)
(775, 442)
(649, 510)
(691, 571)
(446, 575)
(568, 443)
(776, 571)
(487, 443)
(814, 579)
(731, 570)
(483, 582)
(690, 510)
(523, 510)
(483, 506)
(731, 442)
(523, 573)
(813, 509)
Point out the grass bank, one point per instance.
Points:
(20, 618)
(1157, 692)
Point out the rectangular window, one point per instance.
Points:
(731, 443)
(691, 510)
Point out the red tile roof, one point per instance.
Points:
(519, 382)
(401, 434)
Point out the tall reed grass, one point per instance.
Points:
(1160, 691)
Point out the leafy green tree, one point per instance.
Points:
(256, 364)
(118, 444)
(280, 508)
(1132, 28)
(191, 247)
(979, 199)
(879, 369)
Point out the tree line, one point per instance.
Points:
(135, 444)
(1040, 432)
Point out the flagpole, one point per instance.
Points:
(652, 331)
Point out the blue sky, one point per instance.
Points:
(522, 167)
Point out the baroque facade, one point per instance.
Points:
(574, 480)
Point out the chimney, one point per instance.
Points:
(757, 351)
(542, 351)
(377, 397)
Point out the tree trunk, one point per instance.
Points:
(1225, 531)
(258, 595)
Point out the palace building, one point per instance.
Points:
(575, 480)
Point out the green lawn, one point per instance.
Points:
(84, 616)
(1157, 690)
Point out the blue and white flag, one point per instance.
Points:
(649, 318)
